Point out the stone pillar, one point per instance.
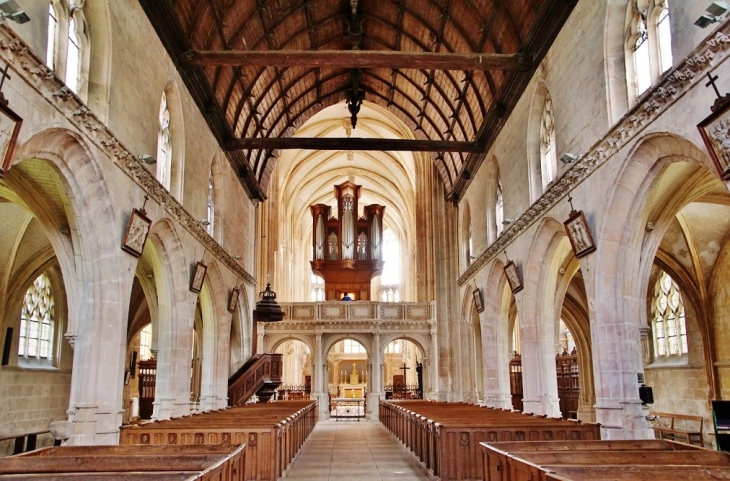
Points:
(375, 391)
(433, 366)
(320, 365)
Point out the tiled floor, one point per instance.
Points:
(353, 451)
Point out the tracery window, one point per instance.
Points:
(52, 36)
(499, 210)
(164, 144)
(548, 158)
(648, 45)
(210, 212)
(668, 321)
(73, 57)
(664, 38)
(642, 70)
(36, 321)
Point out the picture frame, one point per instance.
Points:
(513, 277)
(478, 299)
(233, 300)
(196, 282)
(135, 237)
(579, 233)
(715, 133)
(10, 124)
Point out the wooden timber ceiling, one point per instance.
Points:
(451, 70)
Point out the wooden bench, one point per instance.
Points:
(445, 436)
(683, 428)
(273, 433)
(601, 460)
(166, 463)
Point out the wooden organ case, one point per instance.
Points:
(347, 250)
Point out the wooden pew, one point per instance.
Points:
(601, 460)
(272, 432)
(167, 463)
(678, 427)
(445, 436)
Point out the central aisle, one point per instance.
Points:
(354, 451)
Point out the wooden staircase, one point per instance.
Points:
(260, 375)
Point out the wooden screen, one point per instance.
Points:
(515, 381)
(566, 366)
(147, 380)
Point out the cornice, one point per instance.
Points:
(672, 87)
(33, 71)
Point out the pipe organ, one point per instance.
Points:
(347, 249)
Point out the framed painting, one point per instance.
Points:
(579, 234)
(715, 132)
(233, 300)
(478, 300)
(10, 123)
(136, 234)
(513, 277)
(196, 283)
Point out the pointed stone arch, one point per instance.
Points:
(538, 318)
(86, 259)
(175, 327)
(216, 340)
(617, 291)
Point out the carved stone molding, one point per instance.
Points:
(674, 85)
(32, 70)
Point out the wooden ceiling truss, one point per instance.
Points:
(451, 70)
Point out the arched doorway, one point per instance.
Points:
(297, 370)
(403, 375)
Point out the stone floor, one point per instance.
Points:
(352, 451)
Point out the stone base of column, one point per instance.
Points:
(623, 420)
(373, 412)
(498, 400)
(86, 425)
(545, 404)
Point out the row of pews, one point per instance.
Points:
(445, 436)
(255, 442)
(603, 461)
(456, 441)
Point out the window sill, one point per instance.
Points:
(670, 362)
(25, 365)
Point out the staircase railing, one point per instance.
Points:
(260, 375)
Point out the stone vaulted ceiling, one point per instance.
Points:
(451, 70)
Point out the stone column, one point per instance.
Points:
(433, 367)
(375, 392)
(320, 362)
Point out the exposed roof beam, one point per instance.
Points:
(355, 59)
(350, 143)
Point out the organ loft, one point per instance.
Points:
(347, 250)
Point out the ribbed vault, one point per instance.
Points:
(450, 102)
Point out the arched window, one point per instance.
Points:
(317, 292)
(548, 156)
(668, 321)
(353, 347)
(642, 70)
(52, 37)
(164, 144)
(391, 259)
(73, 57)
(499, 210)
(664, 38)
(145, 343)
(210, 213)
(648, 45)
(36, 321)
